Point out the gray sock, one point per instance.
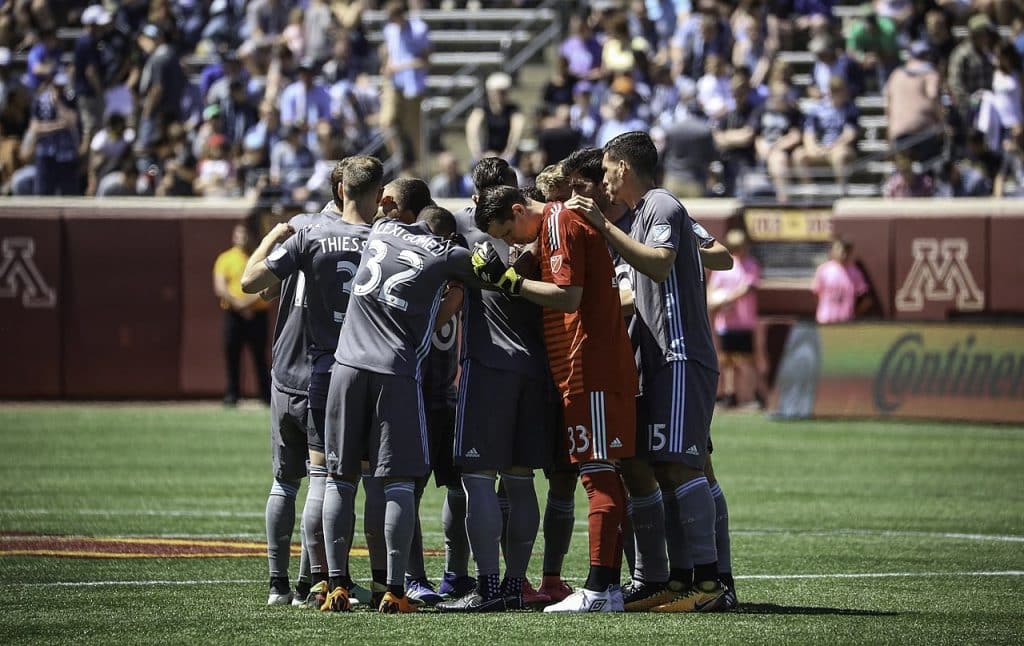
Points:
(629, 538)
(339, 501)
(304, 574)
(483, 521)
(559, 518)
(697, 514)
(649, 530)
(456, 542)
(373, 522)
(399, 525)
(678, 554)
(523, 523)
(312, 520)
(417, 569)
(722, 530)
(504, 507)
(280, 519)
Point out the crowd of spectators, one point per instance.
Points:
(181, 97)
(706, 80)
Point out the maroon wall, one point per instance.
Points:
(122, 305)
(31, 297)
(1006, 235)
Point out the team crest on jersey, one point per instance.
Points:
(661, 232)
(556, 263)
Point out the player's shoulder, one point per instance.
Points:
(661, 200)
(305, 219)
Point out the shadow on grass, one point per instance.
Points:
(776, 609)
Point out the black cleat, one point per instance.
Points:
(473, 602)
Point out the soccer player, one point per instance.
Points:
(289, 425)
(675, 351)
(502, 352)
(375, 403)
(591, 361)
(327, 255)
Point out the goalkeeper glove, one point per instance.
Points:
(490, 268)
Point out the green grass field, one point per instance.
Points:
(867, 532)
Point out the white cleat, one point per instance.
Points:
(584, 600)
(618, 603)
(276, 599)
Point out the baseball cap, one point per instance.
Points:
(582, 87)
(152, 31)
(498, 81)
(920, 49)
(89, 15)
(979, 22)
(5, 56)
(103, 17)
(211, 111)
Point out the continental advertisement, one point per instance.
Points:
(972, 372)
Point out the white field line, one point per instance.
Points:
(761, 577)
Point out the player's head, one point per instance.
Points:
(410, 195)
(440, 220)
(585, 173)
(501, 212)
(630, 163)
(337, 177)
(553, 183)
(841, 250)
(493, 171)
(363, 177)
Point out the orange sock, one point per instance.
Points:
(607, 510)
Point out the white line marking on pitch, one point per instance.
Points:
(762, 577)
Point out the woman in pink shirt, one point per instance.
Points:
(732, 301)
(839, 285)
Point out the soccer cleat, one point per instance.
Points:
(421, 592)
(393, 605)
(618, 605)
(584, 600)
(639, 596)
(278, 599)
(729, 600)
(533, 598)
(473, 602)
(301, 592)
(337, 601)
(377, 591)
(556, 588)
(316, 597)
(702, 597)
(455, 586)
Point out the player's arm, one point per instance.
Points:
(716, 257)
(655, 262)
(626, 302)
(564, 299)
(450, 304)
(257, 275)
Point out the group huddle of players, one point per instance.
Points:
(573, 316)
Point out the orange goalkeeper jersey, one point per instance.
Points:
(589, 349)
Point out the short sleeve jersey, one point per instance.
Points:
(289, 363)
(671, 317)
(498, 331)
(588, 349)
(328, 255)
(395, 298)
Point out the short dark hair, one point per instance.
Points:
(585, 163)
(411, 194)
(337, 177)
(363, 175)
(495, 205)
(534, 193)
(439, 219)
(493, 171)
(636, 149)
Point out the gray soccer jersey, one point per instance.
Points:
(327, 254)
(671, 321)
(289, 364)
(395, 298)
(441, 367)
(498, 331)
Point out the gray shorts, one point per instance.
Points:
(375, 417)
(674, 414)
(288, 431)
(501, 421)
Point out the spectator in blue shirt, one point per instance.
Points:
(306, 101)
(830, 133)
(697, 38)
(406, 59)
(54, 125)
(833, 62)
(43, 57)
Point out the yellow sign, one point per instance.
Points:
(791, 225)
